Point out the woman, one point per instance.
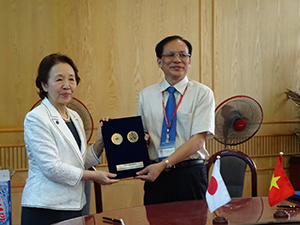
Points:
(57, 149)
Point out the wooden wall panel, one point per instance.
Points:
(256, 53)
(266, 147)
(112, 43)
(249, 47)
(126, 33)
(206, 43)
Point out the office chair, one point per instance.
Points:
(233, 168)
(87, 191)
(98, 195)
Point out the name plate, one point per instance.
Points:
(125, 146)
(130, 166)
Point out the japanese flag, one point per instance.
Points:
(217, 194)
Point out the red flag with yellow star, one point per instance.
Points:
(281, 187)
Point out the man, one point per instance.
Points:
(177, 142)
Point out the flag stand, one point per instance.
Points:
(281, 214)
(280, 189)
(220, 219)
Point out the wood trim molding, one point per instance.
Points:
(17, 130)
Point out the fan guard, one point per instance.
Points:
(83, 112)
(237, 119)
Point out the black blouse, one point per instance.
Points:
(72, 128)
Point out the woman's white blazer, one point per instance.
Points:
(55, 161)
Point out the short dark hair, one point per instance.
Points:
(160, 46)
(46, 65)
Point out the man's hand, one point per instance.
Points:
(151, 172)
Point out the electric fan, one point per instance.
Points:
(83, 112)
(237, 119)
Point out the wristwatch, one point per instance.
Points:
(168, 165)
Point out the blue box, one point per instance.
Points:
(5, 198)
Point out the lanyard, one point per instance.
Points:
(165, 114)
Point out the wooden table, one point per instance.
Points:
(238, 211)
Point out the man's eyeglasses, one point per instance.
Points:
(172, 55)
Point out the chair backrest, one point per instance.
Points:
(98, 195)
(86, 210)
(233, 168)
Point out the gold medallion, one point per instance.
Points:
(132, 136)
(117, 139)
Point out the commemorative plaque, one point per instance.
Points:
(125, 146)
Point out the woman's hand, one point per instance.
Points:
(101, 177)
(105, 178)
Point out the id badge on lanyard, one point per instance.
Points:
(166, 149)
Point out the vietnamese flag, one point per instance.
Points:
(281, 187)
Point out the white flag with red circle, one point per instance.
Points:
(217, 194)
